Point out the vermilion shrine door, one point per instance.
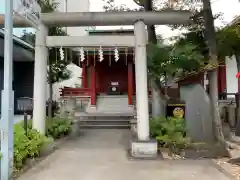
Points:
(111, 72)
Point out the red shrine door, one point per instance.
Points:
(108, 73)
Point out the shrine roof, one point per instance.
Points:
(18, 41)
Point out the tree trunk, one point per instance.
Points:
(152, 37)
(50, 90)
(157, 98)
(50, 102)
(210, 37)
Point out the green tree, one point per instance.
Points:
(211, 41)
(176, 61)
(57, 70)
(228, 40)
(203, 22)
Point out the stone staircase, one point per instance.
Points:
(99, 121)
(112, 112)
(113, 104)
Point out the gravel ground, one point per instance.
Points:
(231, 169)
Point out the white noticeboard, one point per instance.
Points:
(28, 10)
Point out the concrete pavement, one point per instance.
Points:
(101, 155)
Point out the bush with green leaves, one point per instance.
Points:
(169, 132)
(58, 127)
(55, 127)
(26, 145)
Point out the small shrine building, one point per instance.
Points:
(106, 70)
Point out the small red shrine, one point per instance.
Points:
(112, 73)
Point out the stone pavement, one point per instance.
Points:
(101, 155)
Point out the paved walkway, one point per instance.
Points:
(100, 155)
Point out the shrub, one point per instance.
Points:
(55, 127)
(21, 143)
(58, 127)
(26, 146)
(170, 132)
(36, 141)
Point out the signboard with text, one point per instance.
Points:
(28, 10)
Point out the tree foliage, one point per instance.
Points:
(190, 52)
(177, 60)
(58, 67)
(229, 41)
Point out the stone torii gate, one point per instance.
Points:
(139, 40)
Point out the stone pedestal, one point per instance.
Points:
(144, 149)
(71, 106)
(92, 109)
(75, 129)
(133, 123)
(63, 109)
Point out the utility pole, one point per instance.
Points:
(65, 9)
(7, 96)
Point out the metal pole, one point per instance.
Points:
(25, 122)
(65, 9)
(7, 97)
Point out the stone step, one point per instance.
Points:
(113, 104)
(115, 112)
(104, 122)
(104, 118)
(105, 115)
(119, 109)
(104, 126)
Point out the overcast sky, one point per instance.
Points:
(230, 8)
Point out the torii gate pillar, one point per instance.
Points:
(142, 147)
(141, 80)
(40, 80)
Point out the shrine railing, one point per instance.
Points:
(66, 91)
(75, 92)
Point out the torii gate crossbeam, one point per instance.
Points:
(71, 19)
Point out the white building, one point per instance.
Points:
(75, 6)
(231, 69)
